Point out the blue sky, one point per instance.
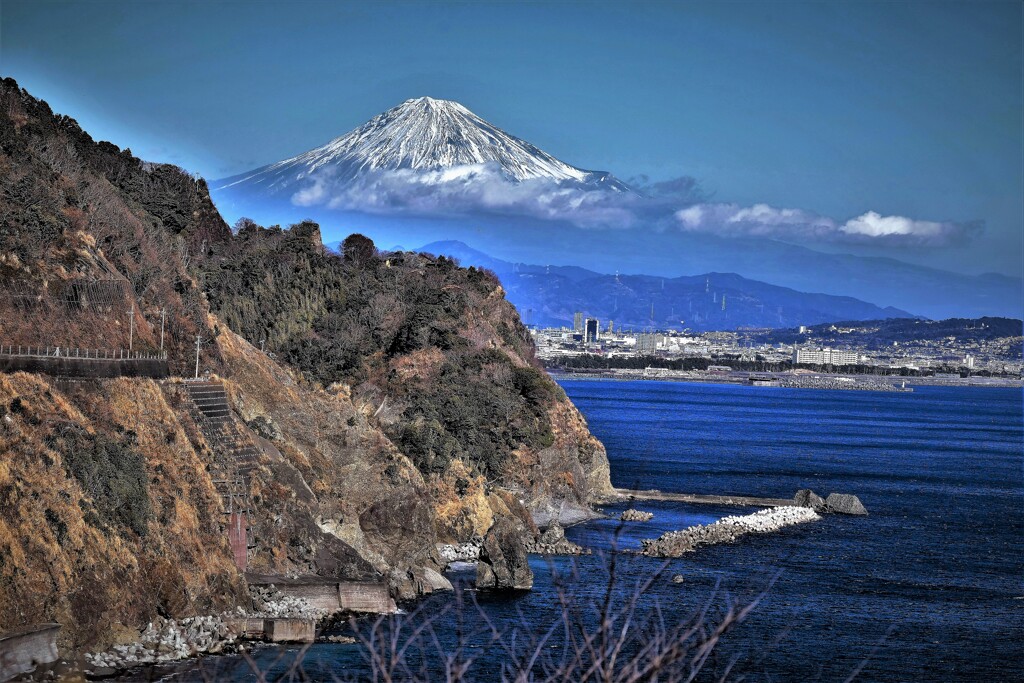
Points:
(908, 109)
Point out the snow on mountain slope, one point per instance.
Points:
(440, 138)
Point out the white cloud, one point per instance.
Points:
(484, 189)
(803, 226)
(874, 225)
(473, 189)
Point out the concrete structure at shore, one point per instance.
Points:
(329, 594)
(23, 650)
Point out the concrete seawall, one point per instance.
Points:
(22, 650)
(329, 594)
(654, 494)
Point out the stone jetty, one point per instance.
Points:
(726, 530)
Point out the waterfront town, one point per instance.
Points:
(867, 347)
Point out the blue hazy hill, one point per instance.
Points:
(550, 295)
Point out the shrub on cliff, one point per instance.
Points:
(362, 318)
(111, 472)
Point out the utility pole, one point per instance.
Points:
(199, 340)
(131, 326)
(163, 315)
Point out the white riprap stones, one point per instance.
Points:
(726, 530)
(167, 641)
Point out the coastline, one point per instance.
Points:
(844, 382)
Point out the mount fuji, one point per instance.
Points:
(430, 170)
(425, 141)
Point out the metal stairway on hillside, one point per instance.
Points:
(235, 457)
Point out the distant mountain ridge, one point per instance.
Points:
(550, 295)
(424, 135)
(881, 334)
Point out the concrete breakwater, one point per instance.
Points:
(554, 542)
(22, 650)
(653, 494)
(726, 530)
(858, 383)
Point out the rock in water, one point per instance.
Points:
(632, 515)
(845, 504)
(806, 498)
(503, 563)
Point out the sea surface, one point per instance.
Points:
(928, 587)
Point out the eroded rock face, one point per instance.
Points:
(806, 498)
(400, 525)
(336, 558)
(553, 534)
(503, 562)
(845, 504)
(545, 511)
(416, 582)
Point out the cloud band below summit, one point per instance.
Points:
(484, 189)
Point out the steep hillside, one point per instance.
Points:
(435, 349)
(109, 510)
(90, 234)
(107, 514)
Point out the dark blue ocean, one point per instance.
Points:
(928, 587)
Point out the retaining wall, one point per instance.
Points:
(81, 367)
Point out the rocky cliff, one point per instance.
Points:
(396, 402)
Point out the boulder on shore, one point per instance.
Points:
(503, 562)
(845, 504)
(806, 498)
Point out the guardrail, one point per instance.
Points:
(78, 353)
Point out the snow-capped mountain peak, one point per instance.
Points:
(421, 134)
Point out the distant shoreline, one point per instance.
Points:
(849, 382)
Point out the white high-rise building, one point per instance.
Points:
(825, 357)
